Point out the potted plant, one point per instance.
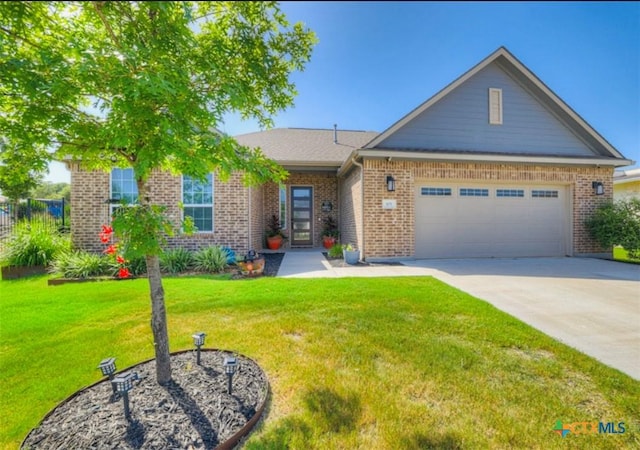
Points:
(275, 236)
(330, 233)
(351, 254)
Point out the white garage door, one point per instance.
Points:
(456, 220)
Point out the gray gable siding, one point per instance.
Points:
(460, 121)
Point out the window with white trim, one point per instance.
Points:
(124, 188)
(197, 199)
(435, 192)
(495, 106)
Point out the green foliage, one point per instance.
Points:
(137, 266)
(176, 261)
(349, 247)
(211, 259)
(335, 251)
(18, 174)
(617, 223)
(133, 226)
(331, 228)
(145, 85)
(81, 264)
(51, 190)
(274, 228)
(34, 243)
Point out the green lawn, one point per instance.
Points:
(620, 254)
(381, 363)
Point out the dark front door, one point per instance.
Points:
(301, 215)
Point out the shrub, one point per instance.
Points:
(617, 223)
(82, 264)
(211, 259)
(176, 260)
(335, 251)
(231, 255)
(34, 243)
(137, 266)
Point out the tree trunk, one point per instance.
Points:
(159, 321)
(158, 311)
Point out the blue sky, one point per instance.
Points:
(376, 61)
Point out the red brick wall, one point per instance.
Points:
(391, 232)
(90, 191)
(351, 208)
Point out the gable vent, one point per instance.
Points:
(495, 106)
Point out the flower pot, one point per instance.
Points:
(274, 242)
(255, 267)
(351, 256)
(328, 242)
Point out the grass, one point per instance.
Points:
(381, 363)
(620, 254)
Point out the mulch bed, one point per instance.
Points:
(193, 412)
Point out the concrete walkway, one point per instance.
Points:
(592, 305)
(313, 264)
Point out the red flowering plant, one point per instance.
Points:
(106, 236)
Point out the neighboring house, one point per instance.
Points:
(626, 184)
(494, 165)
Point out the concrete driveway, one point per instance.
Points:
(592, 305)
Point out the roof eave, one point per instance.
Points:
(492, 158)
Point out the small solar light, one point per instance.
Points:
(108, 367)
(123, 384)
(230, 367)
(198, 341)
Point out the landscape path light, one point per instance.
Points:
(198, 341)
(108, 367)
(230, 367)
(123, 384)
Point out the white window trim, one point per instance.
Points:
(114, 206)
(205, 205)
(495, 103)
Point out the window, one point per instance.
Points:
(438, 192)
(509, 192)
(197, 197)
(544, 194)
(471, 192)
(495, 106)
(123, 188)
(283, 207)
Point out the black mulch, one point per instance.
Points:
(272, 263)
(193, 412)
(339, 262)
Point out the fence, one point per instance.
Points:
(55, 212)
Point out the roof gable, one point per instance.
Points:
(446, 121)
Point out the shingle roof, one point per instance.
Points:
(305, 146)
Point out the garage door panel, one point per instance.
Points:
(509, 221)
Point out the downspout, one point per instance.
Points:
(353, 160)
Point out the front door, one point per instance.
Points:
(301, 215)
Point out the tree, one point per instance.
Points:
(144, 85)
(50, 190)
(617, 223)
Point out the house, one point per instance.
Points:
(493, 165)
(626, 184)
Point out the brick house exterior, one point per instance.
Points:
(495, 132)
